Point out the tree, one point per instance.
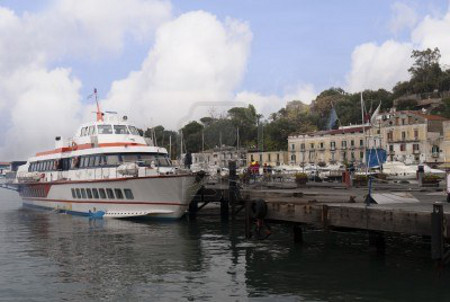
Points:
(192, 136)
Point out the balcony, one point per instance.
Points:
(417, 152)
(435, 154)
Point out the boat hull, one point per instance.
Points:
(165, 197)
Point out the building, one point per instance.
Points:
(343, 145)
(273, 158)
(219, 157)
(413, 137)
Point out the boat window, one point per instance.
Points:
(89, 193)
(130, 157)
(133, 130)
(92, 130)
(65, 164)
(92, 161)
(83, 193)
(119, 193)
(162, 160)
(104, 129)
(121, 129)
(83, 131)
(128, 193)
(73, 193)
(110, 193)
(78, 193)
(83, 162)
(95, 193)
(102, 193)
(112, 160)
(75, 162)
(98, 160)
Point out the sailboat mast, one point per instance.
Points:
(364, 130)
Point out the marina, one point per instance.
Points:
(168, 150)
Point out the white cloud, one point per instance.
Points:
(196, 63)
(375, 67)
(46, 105)
(37, 101)
(404, 17)
(382, 66)
(434, 32)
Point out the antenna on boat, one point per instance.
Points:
(99, 113)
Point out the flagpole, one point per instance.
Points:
(364, 133)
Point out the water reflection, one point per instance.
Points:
(46, 256)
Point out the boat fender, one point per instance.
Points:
(258, 209)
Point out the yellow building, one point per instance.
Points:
(409, 136)
(413, 137)
(273, 158)
(336, 146)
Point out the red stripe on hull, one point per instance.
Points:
(108, 202)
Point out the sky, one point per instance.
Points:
(171, 62)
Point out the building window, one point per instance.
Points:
(402, 147)
(416, 134)
(321, 145)
(89, 193)
(268, 156)
(332, 145)
(352, 143)
(344, 144)
(361, 155)
(292, 147)
(302, 146)
(391, 148)
(73, 193)
(83, 193)
(251, 157)
(312, 145)
(416, 147)
(278, 156)
(293, 158)
(102, 193)
(78, 193)
(390, 136)
(361, 143)
(403, 135)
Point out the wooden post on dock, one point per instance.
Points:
(232, 186)
(437, 232)
(193, 206)
(298, 233)
(247, 219)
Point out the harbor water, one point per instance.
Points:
(45, 256)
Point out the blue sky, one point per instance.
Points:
(153, 60)
(294, 41)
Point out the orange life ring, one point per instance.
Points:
(74, 145)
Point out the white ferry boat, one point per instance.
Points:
(107, 170)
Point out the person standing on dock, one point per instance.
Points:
(188, 160)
